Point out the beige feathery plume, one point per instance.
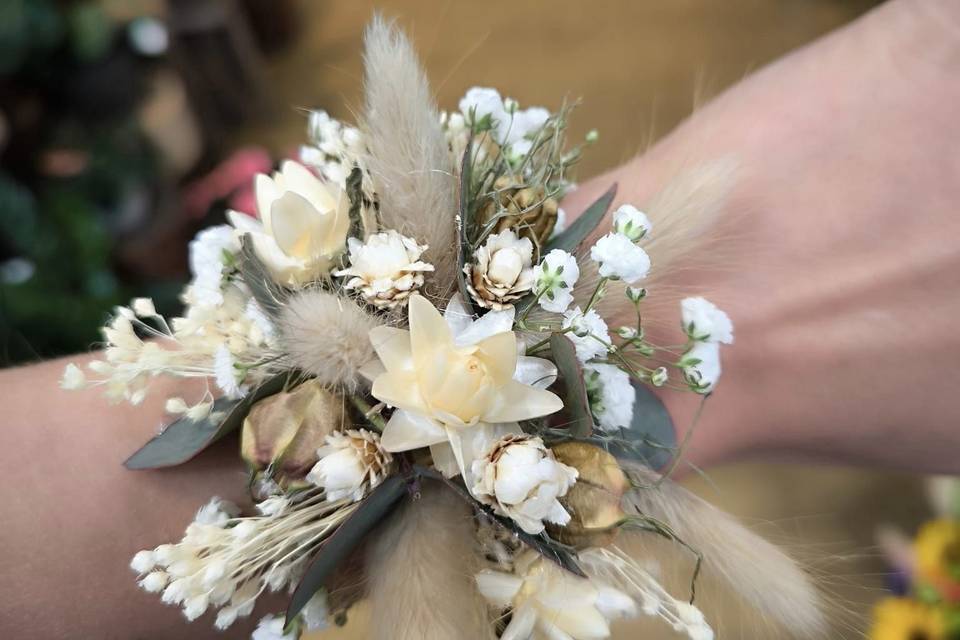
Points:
(327, 336)
(408, 157)
(741, 570)
(420, 571)
(682, 213)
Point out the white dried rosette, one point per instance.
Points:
(502, 272)
(351, 463)
(386, 268)
(550, 602)
(521, 479)
(303, 224)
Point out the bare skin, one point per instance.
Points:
(845, 220)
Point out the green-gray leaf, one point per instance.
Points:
(338, 546)
(185, 438)
(652, 437)
(571, 237)
(268, 294)
(575, 401)
(466, 224)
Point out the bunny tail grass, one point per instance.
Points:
(408, 157)
(420, 571)
(782, 597)
(327, 336)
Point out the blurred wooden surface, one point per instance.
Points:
(639, 66)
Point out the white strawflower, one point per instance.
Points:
(703, 321)
(631, 222)
(208, 252)
(589, 333)
(701, 366)
(386, 268)
(619, 257)
(226, 374)
(502, 272)
(270, 627)
(351, 463)
(554, 279)
(520, 478)
(611, 396)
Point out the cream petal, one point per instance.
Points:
(500, 355)
(521, 624)
(297, 178)
(498, 587)
(265, 191)
(582, 623)
(536, 372)
(457, 318)
(280, 264)
(336, 237)
(393, 347)
(398, 389)
(406, 430)
(444, 460)
(550, 631)
(428, 331)
(475, 442)
(489, 324)
(372, 369)
(295, 225)
(518, 401)
(244, 223)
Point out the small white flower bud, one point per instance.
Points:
(73, 378)
(175, 405)
(143, 561)
(631, 222)
(636, 294)
(627, 333)
(155, 581)
(659, 377)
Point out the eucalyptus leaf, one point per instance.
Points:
(571, 237)
(269, 295)
(466, 224)
(652, 437)
(348, 535)
(185, 438)
(575, 401)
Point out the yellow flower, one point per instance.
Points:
(447, 392)
(904, 619)
(938, 550)
(303, 224)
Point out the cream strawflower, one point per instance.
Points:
(351, 463)
(303, 224)
(703, 321)
(550, 603)
(386, 268)
(631, 222)
(520, 478)
(450, 391)
(611, 395)
(619, 257)
(554, 279)
(502, 272)
(588, 332)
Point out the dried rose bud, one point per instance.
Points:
(594, 501)
(285, 430)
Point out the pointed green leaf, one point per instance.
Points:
(268, 294)
(576, 406)
(571, 237)
(338, 546)
(465, 224)
(185, 438)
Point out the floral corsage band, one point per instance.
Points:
(413, 341)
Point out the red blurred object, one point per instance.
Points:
(231, 180)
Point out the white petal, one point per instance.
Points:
(489, 324)
(457, 316)
(614, 603)
(244, 223)
(497, 587)
(521, 624)
(393, 347)
(407, 430)
(536, 372)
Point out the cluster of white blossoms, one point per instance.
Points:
(511, 127)
(220, 562)
(334, 149)
(707, 327)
